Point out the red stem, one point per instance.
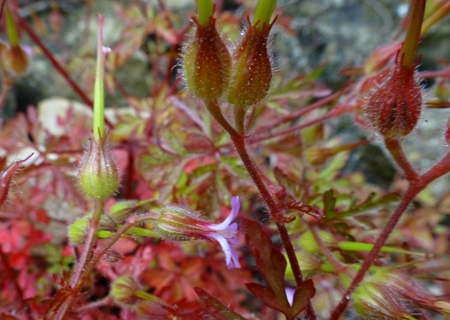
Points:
(295, 115)
(276, 212)
(396, 150)
(261, 137)
(415, 186)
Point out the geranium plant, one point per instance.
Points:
(211, 197)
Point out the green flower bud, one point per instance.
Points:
(98, 175)
(78, 231)
(123, 290)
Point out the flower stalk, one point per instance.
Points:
(415, 20)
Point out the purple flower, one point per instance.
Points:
(181, 224)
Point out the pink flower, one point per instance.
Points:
(180, 224)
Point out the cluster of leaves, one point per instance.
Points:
(170, 150)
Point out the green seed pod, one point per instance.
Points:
(98, 175)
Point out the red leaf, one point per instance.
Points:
(215, 307)
(272, 266)
(302, 295)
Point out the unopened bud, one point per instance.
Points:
(78, 231)
(15, 60)
(123, 290)
(98, 175)
(207, 62)
(181, 224)
(394, 108)
(389, 294)
(251, 74)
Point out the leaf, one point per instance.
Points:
(272, 266)
(215, 307)
(329, 203)
(371, 202)
(302, 295)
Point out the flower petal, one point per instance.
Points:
(235, 207)
(231, 257)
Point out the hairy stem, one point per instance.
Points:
(76, 284)
(415, 186)
(395, 148)
(276, 212)
(415, 19)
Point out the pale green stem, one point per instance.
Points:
(11, 27)
(99, 101)
(415, 20)
(441, 12)
(264, 12)
(204, 11)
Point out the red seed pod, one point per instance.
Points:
(252, 69)
(207, 62)
(394, 108)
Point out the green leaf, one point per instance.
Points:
(329, 203)
(371, 202)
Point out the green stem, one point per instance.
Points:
(11, 27)
(415, 20)
(441, 12)
(239, 119)
(99, 101)
(204, 11)
(264, 12)
(56, 64)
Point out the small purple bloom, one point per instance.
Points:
(179, 223)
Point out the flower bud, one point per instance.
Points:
(181, 224)
(123, 290)
(207, 62)
(15, 60)
(251, 74)
(98, 175)
(78, 231)
(389, 294)
(394, 108)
